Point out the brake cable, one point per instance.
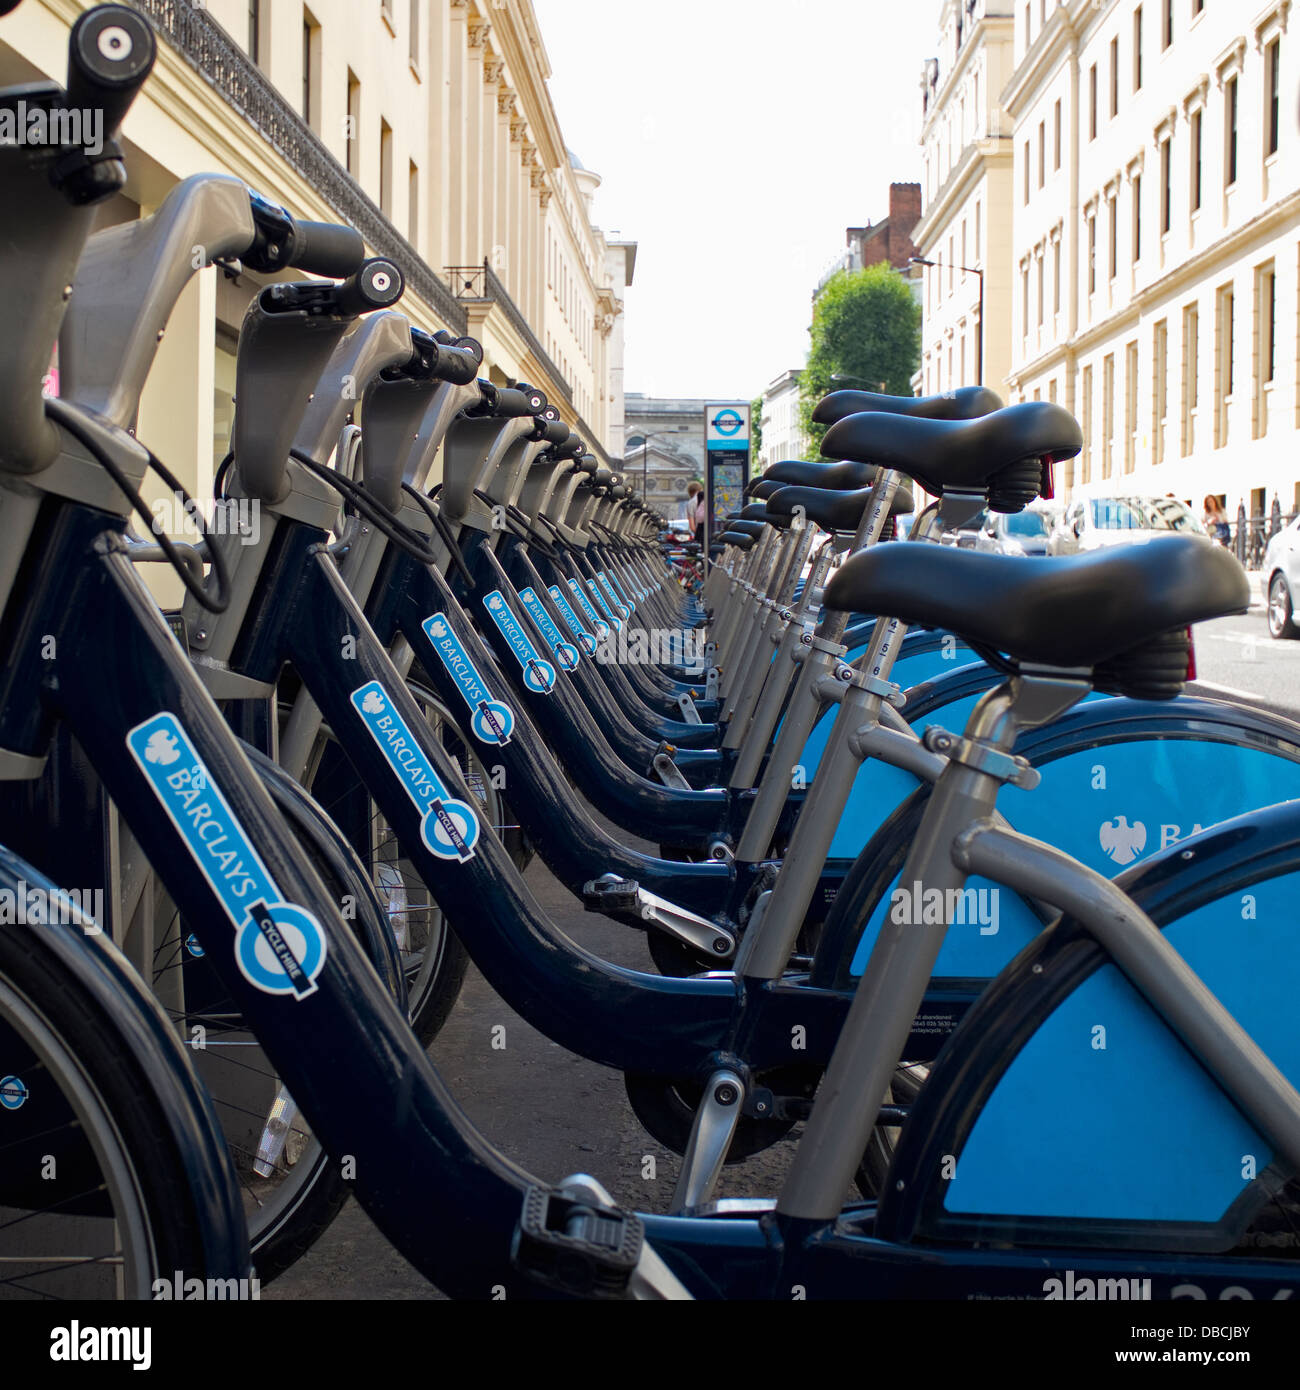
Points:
(443, 528)
(525, 530)
(217, 603)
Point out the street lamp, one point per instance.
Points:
(861, 380)
(979, 338)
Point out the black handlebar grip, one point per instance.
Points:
(471, 345)
(455, 364)
(326, 248)
(377, 285)
(511, 403)
(111, 50)
(556, 432)
(536, 400)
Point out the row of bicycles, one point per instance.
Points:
(957, 890)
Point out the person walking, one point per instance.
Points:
(696, 510)
(1216, 521)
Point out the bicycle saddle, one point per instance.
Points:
(747, 528)
(761, 488)
(831, 510)
(1063, 611)
(755, 511)
(966, 403)
(999, 454)
(811, 473)
(738, 539)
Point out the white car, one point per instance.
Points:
(1028, 532)
(1281, 574)
(1091, 523)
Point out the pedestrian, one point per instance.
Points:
(696, 509)
(1216, 520)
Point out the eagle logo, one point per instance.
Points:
(1122, 841)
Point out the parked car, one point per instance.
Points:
(1019, 533)
(1281, 573)
(1090, 523)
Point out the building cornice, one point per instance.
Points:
(990, 27)
(1056, 40)
(977, 158)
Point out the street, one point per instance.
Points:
(1237, 659)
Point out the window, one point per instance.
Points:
(1041, 296)
(413, 35)
(1272, 72)
(1112, 209)
(1114, 76)
(951, 265)
(1197, 7)
(1159, 389)
(1166, 185)
(354, 124)
(1167, 23)
(1026, 164)
(1042, 153)
(1197, 119)
(310, 71)
(1056, 277)
(1024, 300)
(1107, 413)
(1092, 102)
(1191, 376)
(1085, 464)
(1130, 406)
(1230, 133)
(255, 30)
(1137, 49)
(1223, 364)
(977, 233)
(1137, 218)
(1056, 135)
(413, 203)
(1026, 26)
(1092, 252)
(385, 168)
(1265, 345)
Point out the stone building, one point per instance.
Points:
(663, 448)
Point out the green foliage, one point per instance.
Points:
(867, 325)
(755, 432)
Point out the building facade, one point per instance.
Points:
(427, 124)
(1173, 225)
(663, 448)
(782, 432)
(966, 198)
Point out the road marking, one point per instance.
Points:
(1228, 690)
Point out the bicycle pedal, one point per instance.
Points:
(610, 894)
(576, 1247)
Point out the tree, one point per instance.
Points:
(755, 432)
(867, 325)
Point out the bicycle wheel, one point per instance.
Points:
(112, 1176)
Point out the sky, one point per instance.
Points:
(735, 140)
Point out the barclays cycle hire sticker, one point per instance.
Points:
(621, 587)
(539, 675)
(565, 652)
(603, 579)
(601, 626)
(585, 640)
(279, 946)
(604, 606)
(449, 827)
(492, 721)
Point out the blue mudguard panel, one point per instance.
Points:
(1124, 1123)
(1109, 807)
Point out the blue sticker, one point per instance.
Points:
(601, 626)
(604, 606)
(491, 720)
(12, 1092)
(279, 946)
(585, 640)
(539, 675)
(565, 652)
(192, 945)
(449, 827)
(621, 587)
(603, 579)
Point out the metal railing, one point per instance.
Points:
(467, 281)
(219, 60)
(1250, 535)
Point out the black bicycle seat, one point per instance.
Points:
(747, 528)
(738, 539)
(1062, 611)
(809, 473)
(754, 511)
(966, 403)
(761, 488)
(834, 511)
(960, 455)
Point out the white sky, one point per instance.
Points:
(736, 139)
